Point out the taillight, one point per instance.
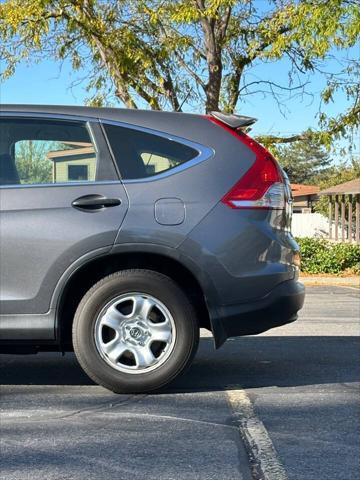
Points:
(262, 185)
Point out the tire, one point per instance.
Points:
(157, 322)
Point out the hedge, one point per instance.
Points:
(321, 256)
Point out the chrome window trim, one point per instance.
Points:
(204, 153)
(62, 184)
(70, 118)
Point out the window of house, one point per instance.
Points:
(78, 172)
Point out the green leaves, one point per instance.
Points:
(32, 163)
(194, 52)
(302, 161)
(321, 256)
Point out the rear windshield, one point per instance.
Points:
(141, 154)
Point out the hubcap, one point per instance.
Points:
(135, 333)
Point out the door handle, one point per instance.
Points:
(95, 202)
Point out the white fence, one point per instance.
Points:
(310, 225)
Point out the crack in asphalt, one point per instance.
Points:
(85, 411)
(105, 413)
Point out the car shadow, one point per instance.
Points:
(247, 362)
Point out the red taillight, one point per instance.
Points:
(262, 185)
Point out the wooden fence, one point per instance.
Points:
(344, 218)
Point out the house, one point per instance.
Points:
(304, 196)
(75, 162)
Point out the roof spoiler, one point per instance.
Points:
(234, 121)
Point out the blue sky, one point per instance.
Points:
(47, 83)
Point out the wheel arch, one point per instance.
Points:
(165, 261)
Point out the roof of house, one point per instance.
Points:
(351, 187)
(299, 190)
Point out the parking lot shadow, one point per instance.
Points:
(247, 362)
(255, 362)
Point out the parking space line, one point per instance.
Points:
(263, 456)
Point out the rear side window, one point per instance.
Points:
(141, 154)
(38, 151)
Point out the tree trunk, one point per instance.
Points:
(233, 89)
(214, 60)
(214, 84)
(124, 96)
(170, 93)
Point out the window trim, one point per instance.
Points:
(62, 184)
(87, 121)
(204, 153)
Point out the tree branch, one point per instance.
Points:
(223, 24)
(191, 72)
(336, 126)
(263, 46)
(268, 82)
(273, 139)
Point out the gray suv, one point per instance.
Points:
(124, 232)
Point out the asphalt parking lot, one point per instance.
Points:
(300, 383)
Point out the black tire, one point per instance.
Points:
(151, 283)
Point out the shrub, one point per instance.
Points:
(321, 256)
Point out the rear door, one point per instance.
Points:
(60, 200)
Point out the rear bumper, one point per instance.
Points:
(277, 308)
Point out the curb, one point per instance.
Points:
(336, 281)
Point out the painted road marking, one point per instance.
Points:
(263, 456)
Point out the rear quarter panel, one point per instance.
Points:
(199, 187)
(243, 251)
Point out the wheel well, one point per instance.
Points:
(85, 277)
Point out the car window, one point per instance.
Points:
(34, 152)
(140, 154)
(155, 163)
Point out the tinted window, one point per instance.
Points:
(140, 154)
(45, 152)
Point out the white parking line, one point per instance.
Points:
(261, 450)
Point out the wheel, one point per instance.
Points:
(135, 331)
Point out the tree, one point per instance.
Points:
(183, 52)
(31, 162)
(303, 161)
(343, 172)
